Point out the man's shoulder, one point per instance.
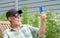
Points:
(23, 25)
(6, 31)
(26, 25)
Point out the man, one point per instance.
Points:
(18, 30)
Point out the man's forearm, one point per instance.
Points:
(42, 27)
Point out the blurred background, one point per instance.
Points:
(31, 14)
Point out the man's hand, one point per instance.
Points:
(42, 16)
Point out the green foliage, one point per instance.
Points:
(51, 30)
(36, 20)
(1, 35)
(31, 19)
(3, 17)
(25, 8)
(24, 15)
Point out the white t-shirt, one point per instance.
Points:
(26, 31)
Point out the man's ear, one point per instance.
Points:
(9, 18)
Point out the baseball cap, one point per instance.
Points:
(13, 12)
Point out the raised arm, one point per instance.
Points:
(43, 24)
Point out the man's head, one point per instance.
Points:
(14, 16)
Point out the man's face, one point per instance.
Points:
(14, 19)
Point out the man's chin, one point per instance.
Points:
(16, 23)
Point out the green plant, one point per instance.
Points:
(3, 17)
(35, 23)
(24, 15)
(51, 30)
(1, 35)
(31, 19)
(31, 16)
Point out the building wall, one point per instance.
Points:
(33, 5)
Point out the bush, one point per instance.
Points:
(3, 17)
(1, 35)
(51, 30)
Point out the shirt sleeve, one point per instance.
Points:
(34, 31)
